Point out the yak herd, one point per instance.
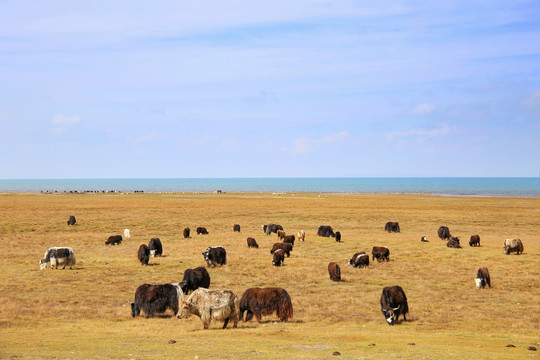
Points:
(224, 305)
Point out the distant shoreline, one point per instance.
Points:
(463, 187)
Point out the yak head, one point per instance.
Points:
(391, 314)
(42, 264)
(185, 309)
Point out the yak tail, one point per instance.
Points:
(285, 308)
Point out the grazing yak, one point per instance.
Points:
(215, 255)
(156, 249)
(334, 271)
(221, 305)
(236, 227)
(156, 299)
(114, 240)
(325, 231)
(127, 233)
(71, 220)
(286, 247)
(271, 228)
(444, 232)
(252, 243)
(394, 303)
(338, 236)
(279, 257)
(194, 279)
(424, 239)
(264, 301)
(392, 226)
(63, 256)
(380, 253)
(475, 240)
(453, 242)
(143, 254)
(360, 259)
(482, 278)
(289, 239)
(186, 233)
(513, 245)
(280, 234)
(301, 235)
(202, 231)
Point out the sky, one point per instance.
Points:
(190, 89)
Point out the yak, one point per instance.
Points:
(334, 271)
(325, 231)
(392, 226)
(251, 243)
(475, 240)
(264, 301)
(71, 220)
(482, 278)
(380, 253)
(156, 299)
(58, 256)
(194, 279)
(393, 303)
(186, 233)
(236, 228)
(211, 305)
(279, 257)
(513, 245)
(114, 240)
(444, 232)
(156, 249)
(143, 254)
(215, 255)
(286, 247)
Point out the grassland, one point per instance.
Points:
(83, 313)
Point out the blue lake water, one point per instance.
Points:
(528, 187)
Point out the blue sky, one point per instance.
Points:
(269, 89)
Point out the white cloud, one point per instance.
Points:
(423, 109)
(60, 119)
(421, 134)
(306, 145)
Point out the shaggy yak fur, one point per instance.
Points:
(220, 305)
(156, 299)
(453, 242)
(393, 303)
(194, 279)
(264, 301)
(215, 255)
(334, 271)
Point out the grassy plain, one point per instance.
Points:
(83, 313)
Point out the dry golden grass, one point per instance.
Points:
(83, 313)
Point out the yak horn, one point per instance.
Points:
(395, 309)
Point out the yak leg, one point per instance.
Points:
(225, 323)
